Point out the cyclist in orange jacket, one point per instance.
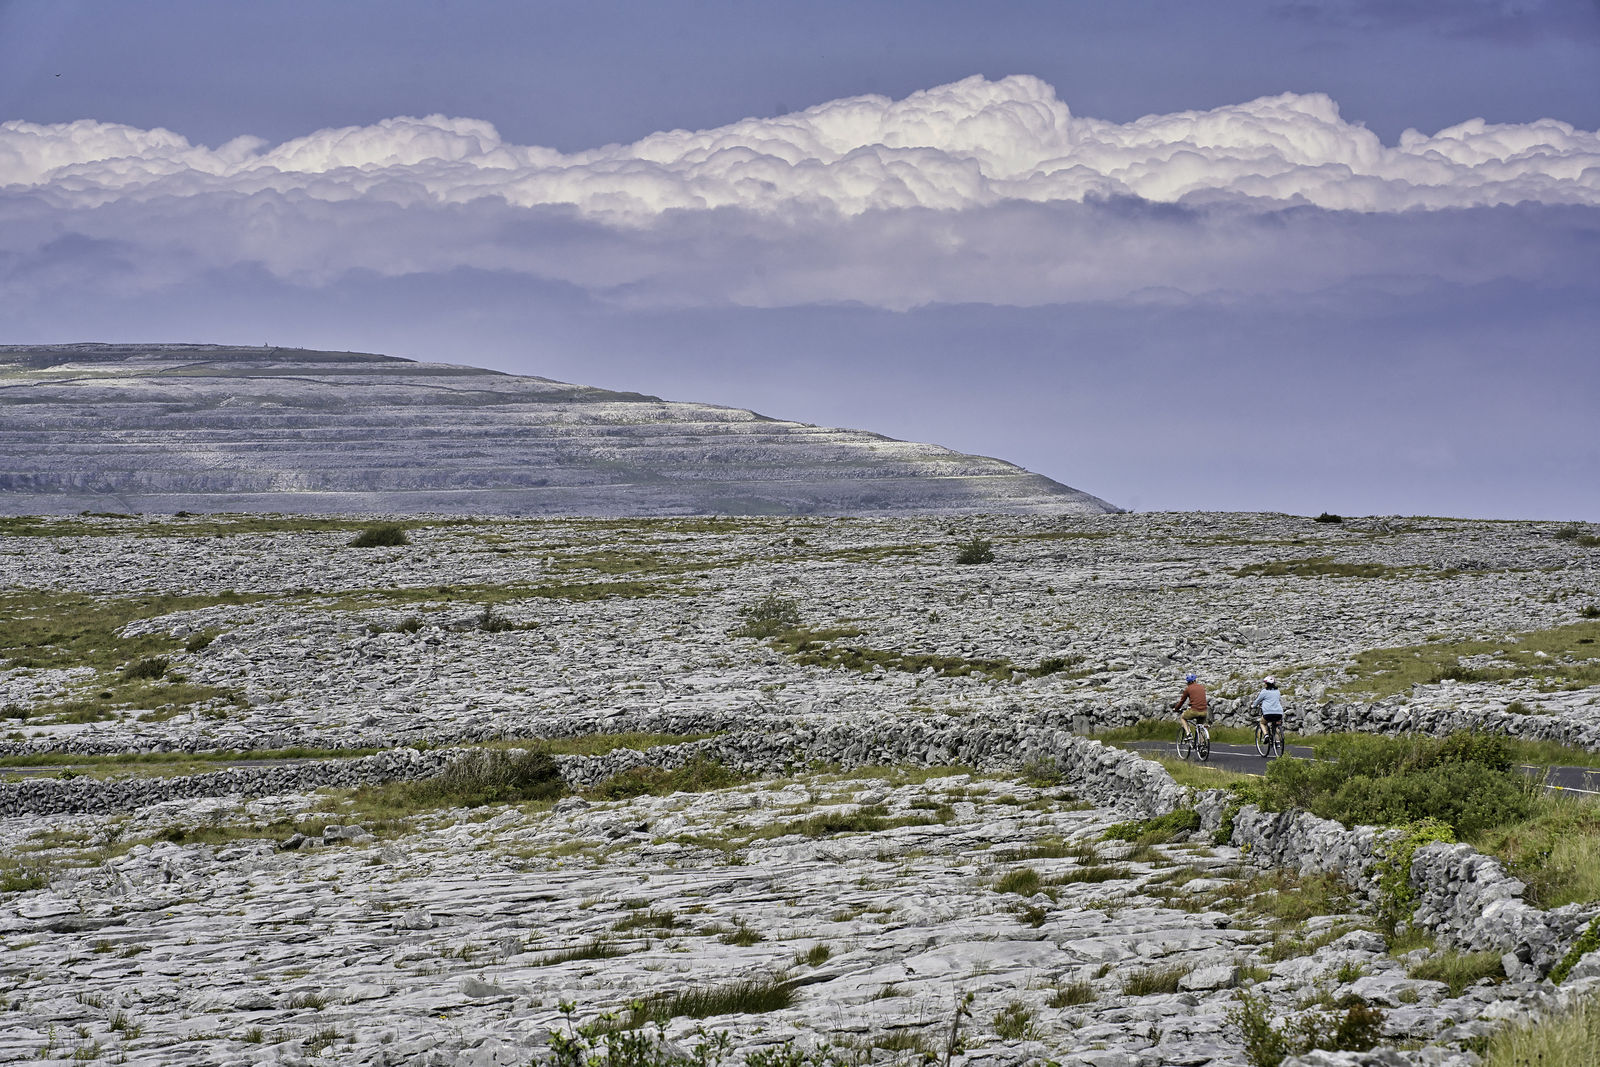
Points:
(1194, 695)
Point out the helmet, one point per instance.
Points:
(1269, 680)
(1191, 677)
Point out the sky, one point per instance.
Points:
(1278, 256)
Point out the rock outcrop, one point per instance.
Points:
(152, 428)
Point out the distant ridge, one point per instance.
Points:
(167, 427)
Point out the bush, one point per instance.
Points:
(1328, 516)
(492, 776)
(151, 668)
(1569, 532)
(1464, 780)
(380, 537)
(976, 550)
(492, 622)
(1350, 1026)
(772, 614)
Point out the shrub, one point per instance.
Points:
(495, 776)
(772, 614)
(976, 550)
(151, 667)
(1465, 780)
(380, 537)
(1352, 1025)
(1396, 897)
(1328, 516)
(490, 622)
(1569, 532)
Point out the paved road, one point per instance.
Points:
(1245, 760)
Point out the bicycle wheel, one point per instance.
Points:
(1185, 744)
(1276, 741)
(1202, 742)
(1263, 740)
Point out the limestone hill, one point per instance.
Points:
(214, 428)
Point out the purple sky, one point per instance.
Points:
(1140, 268)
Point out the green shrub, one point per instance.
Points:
(1464, 780)
(976, 550)
(1328, 516)
(150, 667)
(487, 776)
(490, 622)
(1396, 897)
(771, 615)
(1587, 942)
(1351, 1025)
(1569, 532)
(381, 537)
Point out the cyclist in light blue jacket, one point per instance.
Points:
(1269, 701)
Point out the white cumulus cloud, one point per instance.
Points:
(986, 190)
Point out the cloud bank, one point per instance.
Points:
(987, 191)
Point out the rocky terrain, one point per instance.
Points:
(911, 819)
(212, 428)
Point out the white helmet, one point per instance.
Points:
(1269, 680)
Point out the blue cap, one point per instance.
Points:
(1190, 677)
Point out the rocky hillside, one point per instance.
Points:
(153, 428)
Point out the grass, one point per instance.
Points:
(1570, 660)
(1555, 851)
(1156, 831)
(1459, 970)
(1565, 1039)
(1154, 980)
(487, 776)
(753, 996)
(1071, 995)
(1319, 567)
(697, 776)
(821, 648)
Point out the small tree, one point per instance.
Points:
(772, 614)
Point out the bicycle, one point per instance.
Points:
(1269, 738)
(1199, 743)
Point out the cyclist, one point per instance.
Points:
(1269, 702)
(1194, 695)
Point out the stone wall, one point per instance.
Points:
(1465, 899)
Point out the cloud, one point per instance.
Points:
(986, 191)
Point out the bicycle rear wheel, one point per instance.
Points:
(1202, 742)
(1263, 740)
(1276, 741)
(1185, 744)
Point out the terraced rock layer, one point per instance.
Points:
(153, 428)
